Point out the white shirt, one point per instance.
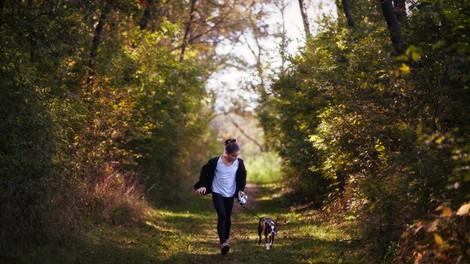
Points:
(224, 179)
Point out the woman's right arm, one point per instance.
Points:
(200, 186)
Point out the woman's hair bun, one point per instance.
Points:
(231, 145)
(230, 140)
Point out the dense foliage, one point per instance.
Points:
(384, 134)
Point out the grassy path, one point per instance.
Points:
(187, 235)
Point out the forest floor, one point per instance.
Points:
(187, 234)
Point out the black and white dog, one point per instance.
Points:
(268, 228)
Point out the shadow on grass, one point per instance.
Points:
(285, 250)
(104, 248)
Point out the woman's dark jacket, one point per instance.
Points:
(208, 173)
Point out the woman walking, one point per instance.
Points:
(225, 177)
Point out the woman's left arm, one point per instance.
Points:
(241, 177)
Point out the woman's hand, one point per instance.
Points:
(201, 191)
(240, 193)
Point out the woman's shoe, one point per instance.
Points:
(224, 248)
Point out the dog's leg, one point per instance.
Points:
(259, 241)
(265, 234)
(260, 230)
(268, 242)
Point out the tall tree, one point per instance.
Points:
(281, 5)
(187, 30)
(303, 13)
(147, 13)
(95, 43)
(348, 13)
(400, 9)
(393, 24)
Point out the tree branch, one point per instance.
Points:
(244, 133)
(188, 29)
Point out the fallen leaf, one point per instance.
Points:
(438, 240)
(463, 210)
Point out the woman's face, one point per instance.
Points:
(231, 157)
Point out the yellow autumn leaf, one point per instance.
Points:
(438, 240)
(446, 211)
(464, 209)
(440, 139)
(405, 69)
(379, 147)
(415, 56)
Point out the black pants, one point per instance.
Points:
(223, 207)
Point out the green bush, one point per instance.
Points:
(264, 168)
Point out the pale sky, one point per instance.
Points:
(229, 83)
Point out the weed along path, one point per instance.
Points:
(187, 234)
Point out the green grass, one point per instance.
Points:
(186, 234)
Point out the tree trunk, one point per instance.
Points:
(308, 34)
(393, 25)
(147, 13)
(400, 10)
(97, 40)
(2, 6)
(282, 5)
(33, 45)
(348, 13)
(188, 29)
